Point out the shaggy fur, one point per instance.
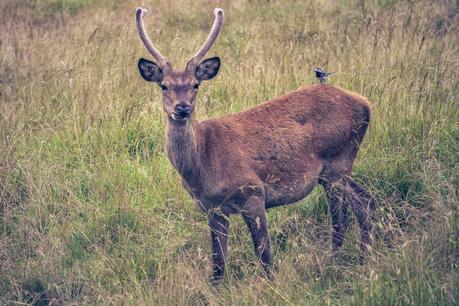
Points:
(274, 154)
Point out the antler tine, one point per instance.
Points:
(217, 26)
(139, 13)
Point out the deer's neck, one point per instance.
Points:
(182, 147)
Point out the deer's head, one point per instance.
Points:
(179, 88)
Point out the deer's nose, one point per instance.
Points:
(182, 108)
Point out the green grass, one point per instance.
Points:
(91, 211)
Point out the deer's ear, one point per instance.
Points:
(150, 71)
(208, 69)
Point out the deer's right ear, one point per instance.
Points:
(150, 71)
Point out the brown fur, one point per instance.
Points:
(270, 155)
(282, 145)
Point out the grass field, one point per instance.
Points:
(92, 212)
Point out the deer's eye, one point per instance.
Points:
(196, 86)
(163, 87)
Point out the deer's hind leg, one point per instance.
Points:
(334, 192)
(364, 207)
(342, 192)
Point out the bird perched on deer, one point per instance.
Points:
(322, 75)
(269, 155)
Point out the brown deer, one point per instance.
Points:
(269, 155)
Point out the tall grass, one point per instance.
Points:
(92, 212)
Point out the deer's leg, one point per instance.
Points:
(219, 226)
(338, 211)
(364, 208)
(254, 214)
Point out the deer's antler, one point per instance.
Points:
(162, 61)
(217, 26)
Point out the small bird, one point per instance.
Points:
(322, 75)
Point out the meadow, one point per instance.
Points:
(92, 212)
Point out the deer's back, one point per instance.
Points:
(318, 119)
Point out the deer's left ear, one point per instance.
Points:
(208, 69)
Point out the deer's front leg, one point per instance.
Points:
(254, 214)
(219, 226)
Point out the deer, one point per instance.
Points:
(269, 155)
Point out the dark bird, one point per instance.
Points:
(322, 75)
